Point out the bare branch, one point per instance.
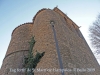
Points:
(95, 34)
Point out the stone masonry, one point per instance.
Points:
(75, 54)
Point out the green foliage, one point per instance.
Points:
(31, 61)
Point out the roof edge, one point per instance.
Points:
(64, 15)
(21, 25)
(38, 13)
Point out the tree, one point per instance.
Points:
(95, 34)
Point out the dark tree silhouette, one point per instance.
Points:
(95, 34)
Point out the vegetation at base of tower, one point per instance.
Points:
(31, 61)
(95, 35)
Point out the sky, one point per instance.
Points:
(16, 12)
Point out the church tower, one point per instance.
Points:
(66, 51)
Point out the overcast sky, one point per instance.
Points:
(16, 12)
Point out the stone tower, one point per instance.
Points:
(66, 51)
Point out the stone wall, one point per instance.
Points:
(73, 47)
(74, 51)
(17, 50)
(45, 42)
